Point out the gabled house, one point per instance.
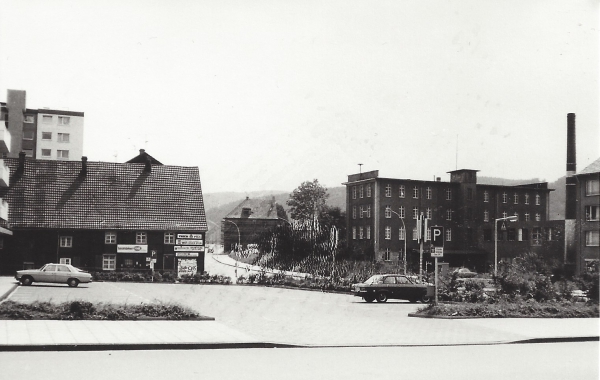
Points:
(104, 216)
(588, 218)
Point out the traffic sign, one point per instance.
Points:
(437, 252)
(437, 236)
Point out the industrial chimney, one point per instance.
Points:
(571, 187)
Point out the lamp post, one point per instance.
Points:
(238, 247)
(403, 226)
(509, 218)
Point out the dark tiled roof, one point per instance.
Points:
(53, 194)
(592, 168)
(259, 209)
(142, 158)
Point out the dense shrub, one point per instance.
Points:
(198, 278)
(513, 309)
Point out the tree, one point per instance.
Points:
(308, 201)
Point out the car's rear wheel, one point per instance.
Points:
(382, 297)
(73, 282)
(369, 299)
(425, 298)
(26, 280)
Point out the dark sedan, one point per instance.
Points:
(382, 287)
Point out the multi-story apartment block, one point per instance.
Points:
(588, 219)
(382, 216)
(41, 133)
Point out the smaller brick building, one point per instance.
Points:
(587, 233)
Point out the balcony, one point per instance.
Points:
(4, 140)
(4, 174)
(3, 209)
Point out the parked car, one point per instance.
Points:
(59, 273)
(382, 287)
(465, 273)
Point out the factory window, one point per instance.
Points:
(368, 191)
(449, 214)
(388, 233)
(516, 199)
(592, 213)
(415, 234)
(109, 262)
(517, 215)
(169, 238)
(526, 199)
(361, 191)
(549, 233)
(536, 236)
(428, 193)
(28, 119)
(360, 233)
(592, 187)
(504, 214)
(527, 217)
(486, 216)
(428, 235)
(401, 212)
(64, 120)
(402, 192)
(388, 212)
(46, 152)
(388, 191)
(368, 211)
(538, 217)
(402, 233)
(353, 192)
(504, 197)
(110, 237)
(537, 199)
(360, 212)
(428, 213)
(368, 232)
(354, 233)
(47, 119)
(28, 135)
(387, 255)
(592, 238)
(46, 136)
(415, 192)
(415, 213)
(141, 238)
(66, 241)
(353, 212)
(448, 194)
(486, 196)
(449, 234)
(63, 137)
(62, 154)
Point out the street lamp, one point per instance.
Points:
(509, 218)
(403, 226)
(238, 247)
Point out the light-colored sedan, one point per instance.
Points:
(60, 273)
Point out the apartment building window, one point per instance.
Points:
(353, 212)
(28, 152)
(387, 255)
(549, 233)
(62, 154)
(169, 238)
(428, 192)
(66, 241)
(448, 194)
(402, 192)
(141, 238)
(402, 233)
(415, 192)
(592, 238)
(353, 192)
(46, 119)
(28, 135)
(448, 234)
(537, 199)
(368, 211)
(486, 196)
(592, 213)
(388, 233)
(110, 237)
(415, 213)
(354, 233)
(388, 212)
(28, 119)
(504, 197)
(538, 217)
(526, 199)
(415, 234)
(109, 262)
(428, 213)
(388, 191)
(360, 233)
(536, 236)
(46, 136)
(64, 120)
(65, 260)
(401, 212)
(361, 191)
(63, 137)
(486, 216)
(368, 232)
(46, 152)
(449, 214)
(368, 191)
(469, 194)
(527, 217)
(517, 215)
(360, 212)
(592, 187)
(516, 198)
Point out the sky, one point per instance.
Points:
(266, 94)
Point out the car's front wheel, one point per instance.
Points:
(425, 298)
(382, 297)
(369, 299)
(26, 280)
(73, 282)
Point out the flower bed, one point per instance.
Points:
(513, 309)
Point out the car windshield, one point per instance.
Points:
(377, 279)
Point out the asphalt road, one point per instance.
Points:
(547, 361)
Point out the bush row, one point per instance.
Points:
(198, 278)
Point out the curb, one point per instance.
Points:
(141, 347)
(8, 293)
(414, 315)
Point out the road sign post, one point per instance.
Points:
(437, 250)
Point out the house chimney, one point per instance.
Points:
(571, 190)
(142, 151)
(438, 179)
(21, 161)
(83, 165)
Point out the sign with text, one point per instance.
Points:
(132, 248)
(437, 236)
(189, 242)
(437, 252)
(189, 236)
(187, 267)
(187, 254)
(188, 248)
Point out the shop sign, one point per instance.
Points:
(189, 236)
(189, 242)
(187, 267)
(187, 254)
(132, 248)
(188, 248)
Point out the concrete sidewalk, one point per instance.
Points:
(33, 335)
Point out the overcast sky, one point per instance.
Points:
(265, 94)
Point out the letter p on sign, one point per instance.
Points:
(437, 236)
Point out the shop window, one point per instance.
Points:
(109, 262)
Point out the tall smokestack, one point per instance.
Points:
(571, 190)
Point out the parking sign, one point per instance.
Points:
(437, 241)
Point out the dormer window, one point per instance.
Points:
(246, 212)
